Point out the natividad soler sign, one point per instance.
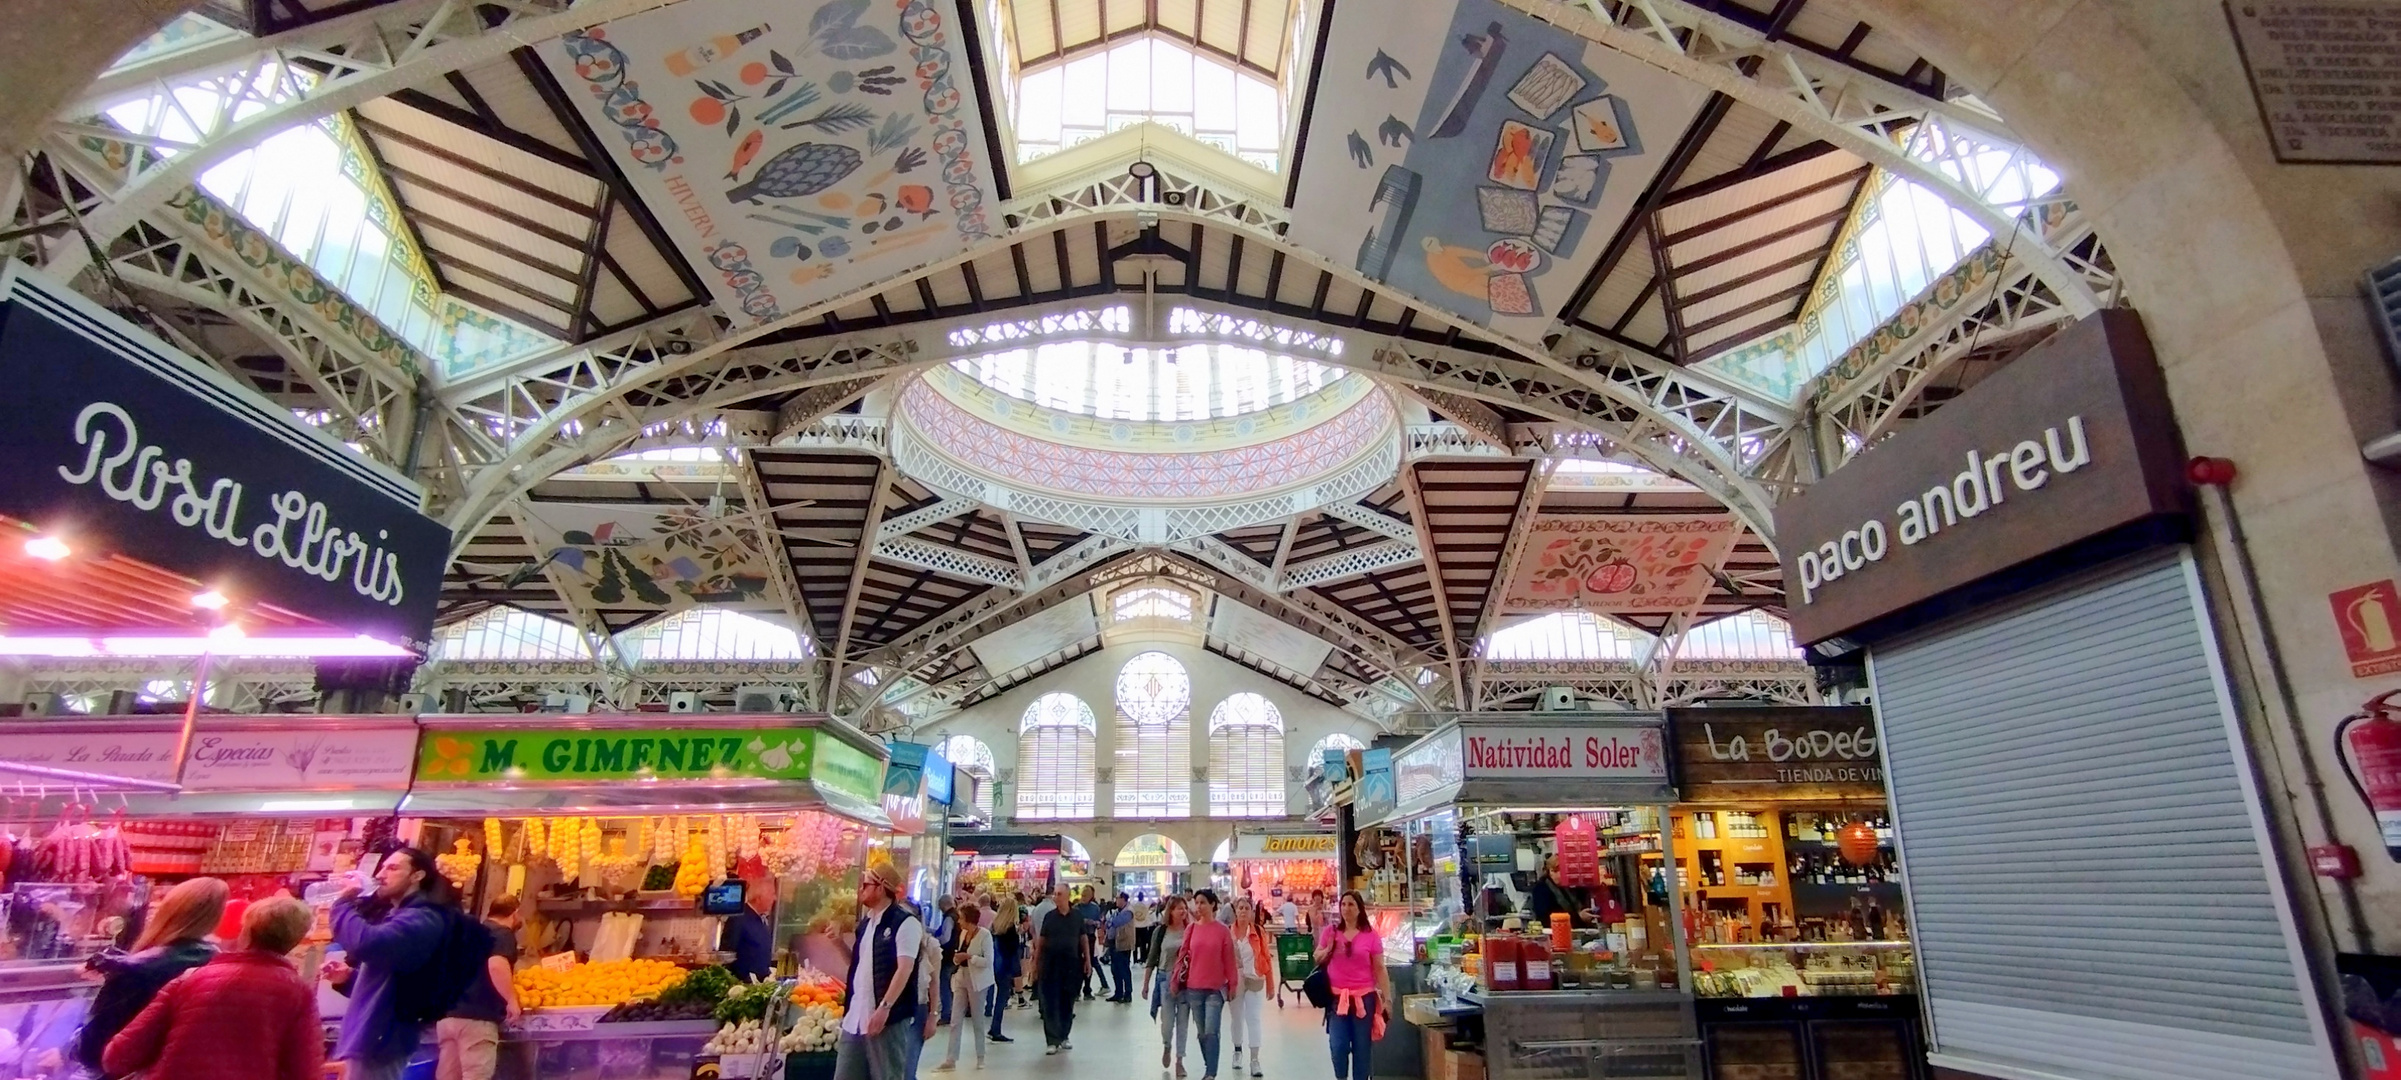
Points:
(2067, 442)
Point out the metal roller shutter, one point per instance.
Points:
(2085, 859)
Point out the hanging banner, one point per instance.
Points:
(125, 445)
(640, 556)
(1619, 564)
(798, 152)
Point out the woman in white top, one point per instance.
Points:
(968, 984)
(1254, 958)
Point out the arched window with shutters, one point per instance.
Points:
(1154, 738)
(1056, 746)
(969, 755)
(1246, 758)
(1335, 741)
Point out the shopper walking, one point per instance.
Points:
(172, 942)
(386, 937)
(877, 1029)
(1158, 964)
(971, 958)
(1062, 963)
(1025, 955)
(1353, 956)
(469, 1038)
(1208, 973)
(1005, 964)
(244, 1015)
(1146, 916)
(1120, 929)
(1089, 910)
(1253, 959)
(945, 926)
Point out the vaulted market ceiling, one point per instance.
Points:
(1546, 232)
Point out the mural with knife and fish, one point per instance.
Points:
(1475, 157)
(798, 151)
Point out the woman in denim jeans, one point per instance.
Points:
(1158, 964)
(1208, 973)
(1353, 956)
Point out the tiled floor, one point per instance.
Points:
(1123, 1041)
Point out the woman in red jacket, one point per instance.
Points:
(242, 1016)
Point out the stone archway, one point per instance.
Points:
(2246, 273)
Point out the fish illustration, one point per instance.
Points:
(743, 153)
(804, 169)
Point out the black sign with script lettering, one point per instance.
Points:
(125, 445)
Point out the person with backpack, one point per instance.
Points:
(411, 958)
(469, 1038)
(1119, 925)
(244, 1015)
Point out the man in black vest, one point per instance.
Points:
(876, 1028)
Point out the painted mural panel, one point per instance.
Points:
(633, 555)
(798, 151)
(1620, 564)
(1477, 158)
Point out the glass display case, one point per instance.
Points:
(1804, 969)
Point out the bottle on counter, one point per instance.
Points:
(1535, 959)
(1502, 953)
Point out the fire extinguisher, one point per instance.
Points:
(2368, 743)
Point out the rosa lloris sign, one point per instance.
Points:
(2070, 441)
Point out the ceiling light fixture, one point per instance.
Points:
(210, 600)
(48, 548)
(225, 645)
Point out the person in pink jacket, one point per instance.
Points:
(1207, 974)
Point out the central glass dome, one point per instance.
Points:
(1114, 382)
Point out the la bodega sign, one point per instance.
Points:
(2069, 441)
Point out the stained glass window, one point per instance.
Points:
(1055, 758)
(1246, 758)
(1335, 741)
(1154, 738)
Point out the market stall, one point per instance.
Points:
(93, 829)
(1271, 867)
(1599, 984)
(1017, 863)
(1799, 926)
(630, 842)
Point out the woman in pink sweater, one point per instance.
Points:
(1207, 973)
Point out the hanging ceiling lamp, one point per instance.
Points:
(1858, 842)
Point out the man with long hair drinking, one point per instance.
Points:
(1353, 956)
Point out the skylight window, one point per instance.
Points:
(1152, 602)
(1149, 78)
(1191, 382)
(1568, 635)
(712, 634)
(506, 633)
(1748, 635)
(314, 188)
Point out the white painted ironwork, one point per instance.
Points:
(949, 560)
(1825, 99)
(253, 88)
(940, 510)
(1351, 563)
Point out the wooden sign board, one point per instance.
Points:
(1793, 754)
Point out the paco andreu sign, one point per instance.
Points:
(2067, 442)
(139, 450)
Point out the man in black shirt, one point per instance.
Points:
(749, 935)
(1062, 960)
(468, 1040)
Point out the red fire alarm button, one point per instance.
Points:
(2338, 861)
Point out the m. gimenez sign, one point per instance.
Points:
(2065, 443)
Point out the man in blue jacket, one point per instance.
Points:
(384, 936)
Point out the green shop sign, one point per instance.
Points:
(514, 755)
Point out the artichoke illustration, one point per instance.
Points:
(805, 169)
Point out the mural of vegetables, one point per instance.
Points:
(803, 169)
